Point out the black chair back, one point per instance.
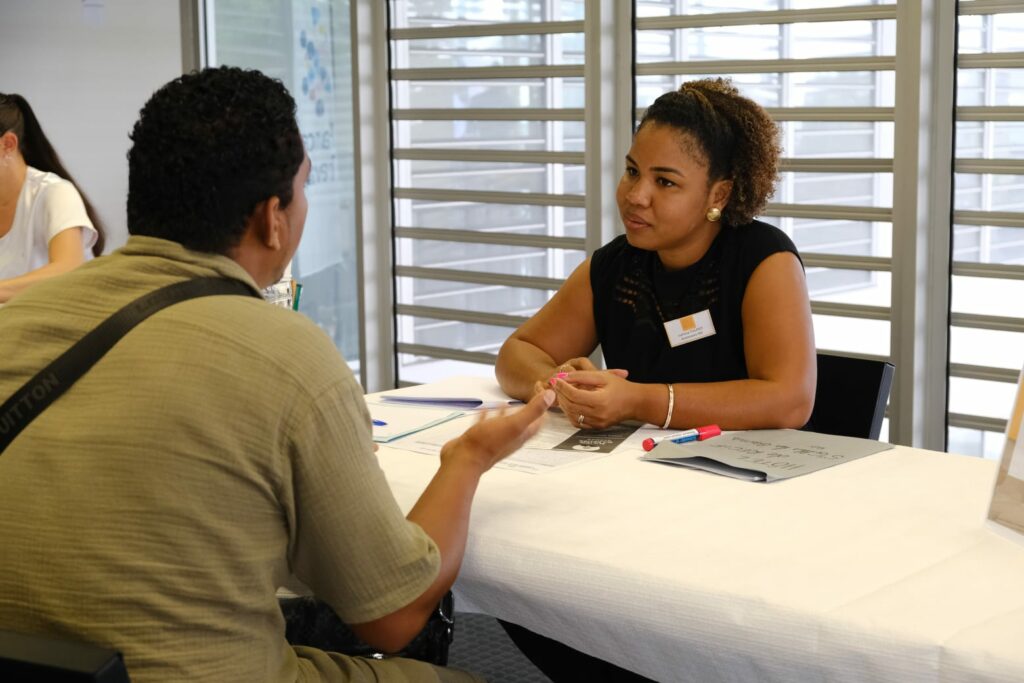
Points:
(42, 658)
(851, 396)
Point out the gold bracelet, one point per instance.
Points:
(671, 405)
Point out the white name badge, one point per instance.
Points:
(689, 328)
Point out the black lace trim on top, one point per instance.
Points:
(656, 295)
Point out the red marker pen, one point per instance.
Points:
(698, 434)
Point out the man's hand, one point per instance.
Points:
(493, 438)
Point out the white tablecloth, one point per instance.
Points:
(876, 570)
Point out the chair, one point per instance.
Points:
(26, 657)
(851, 396)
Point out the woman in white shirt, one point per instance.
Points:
(47, 227)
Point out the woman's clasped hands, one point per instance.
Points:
(589, 397)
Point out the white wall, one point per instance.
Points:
(87, 67)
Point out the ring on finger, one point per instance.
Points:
(580, 421)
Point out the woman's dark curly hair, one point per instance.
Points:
(737, 138)
(207, 148)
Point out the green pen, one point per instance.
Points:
(298, 293)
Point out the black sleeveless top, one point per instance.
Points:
(634, 296)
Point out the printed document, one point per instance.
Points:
(558, 444)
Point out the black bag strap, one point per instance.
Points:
(52, 381)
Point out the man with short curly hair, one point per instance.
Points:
(222, 445)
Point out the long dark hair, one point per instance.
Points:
(17, 116)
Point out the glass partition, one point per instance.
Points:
(307, 45)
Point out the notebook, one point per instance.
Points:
(462, 393)
(393, 421)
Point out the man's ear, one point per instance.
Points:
(268, 223)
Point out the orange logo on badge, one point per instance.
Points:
(688, 323)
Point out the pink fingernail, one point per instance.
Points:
(562, 375)
(552, 381)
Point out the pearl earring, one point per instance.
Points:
(713, 214)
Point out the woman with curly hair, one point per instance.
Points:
(47, 225)
(700, 310)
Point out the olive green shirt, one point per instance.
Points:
(219, 447)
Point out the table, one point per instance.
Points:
(879, 569)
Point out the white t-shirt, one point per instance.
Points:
(47, 205)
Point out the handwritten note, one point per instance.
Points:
(766, 454)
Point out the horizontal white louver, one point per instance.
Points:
(489, 172)
(987, 321)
